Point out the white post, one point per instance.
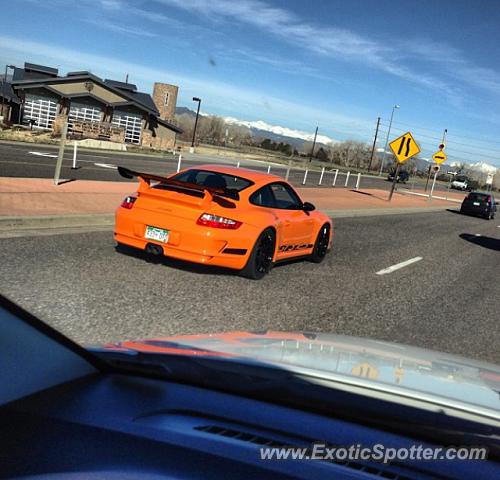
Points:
(347, 178)
(269, 169)
(321, 176)
(288, 171)
(305, 177)
(358, 180)
(179, 163)
(75, 148)
(433, 184)
(238, 164)
(335, 177)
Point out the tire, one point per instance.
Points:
(260, 260)
(321, 245)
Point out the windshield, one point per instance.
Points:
(353, 132)
(479, 197)
(212, 179)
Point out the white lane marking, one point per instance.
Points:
(43, 154)
(393, 268)
(93, 156)
(106, 165)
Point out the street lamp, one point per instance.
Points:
(195, 99)
(387, 140)
(4, 84)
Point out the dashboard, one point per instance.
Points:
(119, 426)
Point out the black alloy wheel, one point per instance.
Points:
(260, 261)
(321, 245)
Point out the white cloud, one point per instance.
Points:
(411, 60)
(111, 4)
(115, 27)
(396, 59)
(328, 41)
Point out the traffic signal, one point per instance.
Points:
(436, 168)
(441, 146)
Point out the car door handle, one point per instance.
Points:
(287, 223)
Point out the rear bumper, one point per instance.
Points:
(478, 211)
(190, 242)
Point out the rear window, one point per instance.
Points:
(207, 178)
(478, 197)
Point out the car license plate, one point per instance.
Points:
(476, 204)
(158, 234)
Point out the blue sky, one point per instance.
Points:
(296, 64)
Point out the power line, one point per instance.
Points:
(453, 149)
(453, 133)
(419, 134)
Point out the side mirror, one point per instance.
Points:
(308, 207)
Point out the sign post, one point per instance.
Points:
(435, 169)
(60, 156)
(404, 147)
(75, 148)
(439, 157)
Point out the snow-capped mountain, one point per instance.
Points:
(479, 167)
(483, 167)
(262, 129)
(277, 130)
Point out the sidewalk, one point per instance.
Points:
(33, 197)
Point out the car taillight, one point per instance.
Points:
(214, 221)
(128, 203)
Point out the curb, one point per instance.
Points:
(56, 221)
(374, 212)
(436, 197)
(47, 222)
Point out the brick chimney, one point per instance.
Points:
(165, 98)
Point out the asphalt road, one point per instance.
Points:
(38, 161)
(449, 300)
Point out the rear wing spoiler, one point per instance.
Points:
(147, 177)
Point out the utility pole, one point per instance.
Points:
(374, 144)
(387, 140)
(314, 144)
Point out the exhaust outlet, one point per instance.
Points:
(153, 249)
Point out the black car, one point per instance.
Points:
(403, 177)
(479, 204)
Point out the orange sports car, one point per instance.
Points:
(224, 216)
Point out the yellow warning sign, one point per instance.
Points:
(365, 370)
(439, 157)
(404, 147)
